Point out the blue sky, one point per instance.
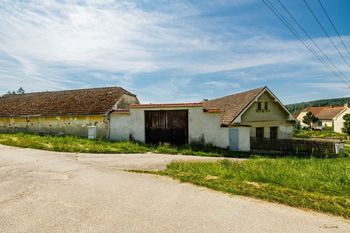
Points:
(169, 51)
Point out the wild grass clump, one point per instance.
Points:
(319, 184)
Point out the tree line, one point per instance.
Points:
(297, 107)
(20, 91)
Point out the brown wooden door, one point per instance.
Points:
(169, 126)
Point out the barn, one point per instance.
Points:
(226, 122)
(63, 112)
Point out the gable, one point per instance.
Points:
(275, 111)
(233, 105)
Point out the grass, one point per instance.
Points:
(83, 145)
(318, 184)
(318, 134)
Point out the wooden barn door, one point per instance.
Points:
(169, 126)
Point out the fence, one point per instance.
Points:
(296, 146)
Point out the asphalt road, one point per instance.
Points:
(44, 191)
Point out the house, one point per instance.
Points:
(63, 112)
(116, 114)
(227, 122)
(329, 116)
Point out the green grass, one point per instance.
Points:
(83, 145)
(318, 134)
(318, 184)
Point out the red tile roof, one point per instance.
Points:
(231, 106)
(59, 103)
(326, 112)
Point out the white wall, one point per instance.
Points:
(339, 121)
(202, 125)
(207, 126)
(123, 126)
(244, 139)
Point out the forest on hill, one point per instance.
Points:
(297, 107)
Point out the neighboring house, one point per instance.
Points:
(329, 116)
(227, 122)
(63, 112)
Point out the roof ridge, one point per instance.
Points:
(80, 89)
(255, 89)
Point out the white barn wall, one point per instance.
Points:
(124, 126)
(202, 126)
(207, 126)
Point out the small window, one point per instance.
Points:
(319, 123)
(260, 132)
(259, 106)
(273, 133)
(266, 105)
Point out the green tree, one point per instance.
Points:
(20, 91)
(309, 118)
(346, 128)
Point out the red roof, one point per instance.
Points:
(233, 105)
(326, 112)
(60, 103)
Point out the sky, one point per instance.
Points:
(171, 51)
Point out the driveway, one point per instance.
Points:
(44, 191)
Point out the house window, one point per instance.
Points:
(319, 123)
(259, 106)
(260, 132)
(273, 133)
(266, 105)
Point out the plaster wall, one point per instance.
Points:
(274, 116)
(57, 125)
(339, 121)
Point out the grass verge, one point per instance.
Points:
(83, 145)
(318, 184)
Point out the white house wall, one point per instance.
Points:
(339, 121)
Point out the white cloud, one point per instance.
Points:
(124, 37)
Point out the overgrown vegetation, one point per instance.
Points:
(297, 107)
(318, 134)
(83, 145)
(319, 184)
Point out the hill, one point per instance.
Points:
(294, 108)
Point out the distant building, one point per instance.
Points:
(329, 116)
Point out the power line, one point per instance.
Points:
(301, 39)
(335, 29)
(310, 38)
(324, 30)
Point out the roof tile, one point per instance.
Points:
(58, 103)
